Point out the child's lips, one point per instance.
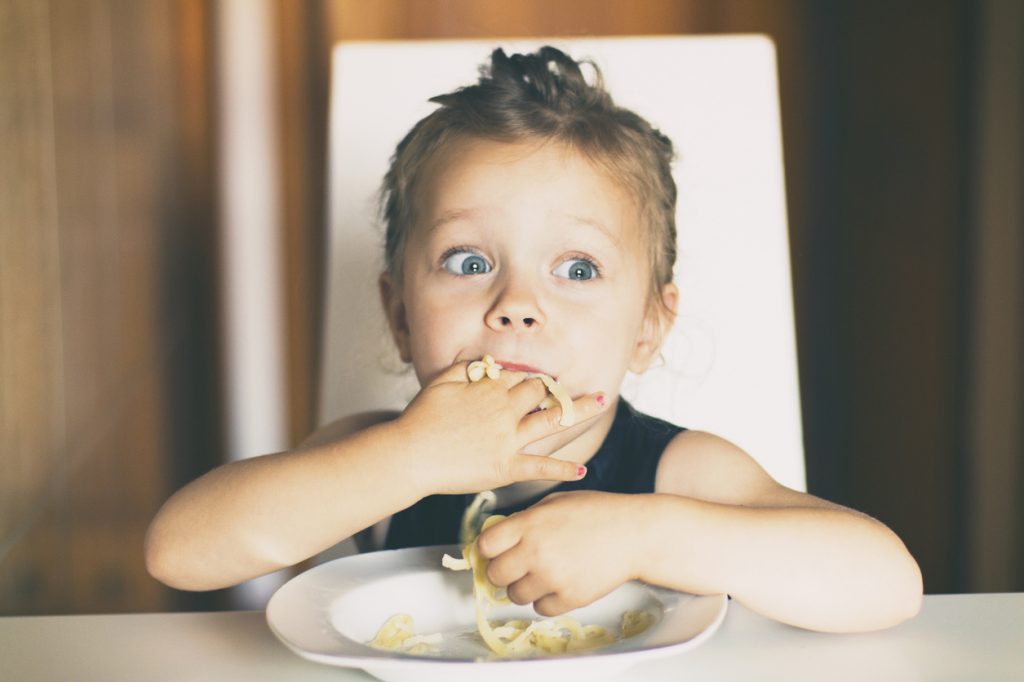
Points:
(516, 367)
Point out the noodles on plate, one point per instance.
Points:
(517, 637)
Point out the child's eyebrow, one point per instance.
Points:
(452, 215)
(456, 214)
(597, 224)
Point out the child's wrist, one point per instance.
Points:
(663, 535)
(644, 540)
(690, 545)
(404, 468)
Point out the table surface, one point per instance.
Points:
(955, 637)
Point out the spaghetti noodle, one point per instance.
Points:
(517, 637)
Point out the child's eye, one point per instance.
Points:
(465, 263)
(579, 269)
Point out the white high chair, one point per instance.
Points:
(730, 362)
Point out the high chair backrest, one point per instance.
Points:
(729, 364)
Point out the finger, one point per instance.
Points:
(527, 394)
(507, 568)
(527, 589)
(544, 423)
(539, 468)
(454, 374)
(499, 538)
(552, 604)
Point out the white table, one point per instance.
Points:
(955, 637)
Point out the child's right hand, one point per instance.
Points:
(469, 436)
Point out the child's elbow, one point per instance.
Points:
(911, 594)
(892, 596)
(901, 595)
(163, 560)
(159, 561)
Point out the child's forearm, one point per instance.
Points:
(254, 516)
(825, 569)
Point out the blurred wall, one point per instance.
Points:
(897, 162)
(108, 392)
(994, 389)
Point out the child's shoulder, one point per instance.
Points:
(705, 466)
(347, 425)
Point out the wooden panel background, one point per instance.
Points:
(108, 330)
(107, 293)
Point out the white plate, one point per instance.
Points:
(327, 613)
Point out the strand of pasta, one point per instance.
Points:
(518, 636)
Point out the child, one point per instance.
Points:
(531, 219)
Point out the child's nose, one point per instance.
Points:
(515, 310)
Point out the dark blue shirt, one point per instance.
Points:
(627, 462)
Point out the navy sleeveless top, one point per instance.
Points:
(626, 462)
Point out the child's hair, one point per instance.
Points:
(543, 96)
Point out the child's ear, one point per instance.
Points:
(394, 310)
(661, 314)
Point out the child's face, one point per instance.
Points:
(528, 252)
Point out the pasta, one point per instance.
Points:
(516, 637)
(487, 366)
(397, 635)
(561, 396)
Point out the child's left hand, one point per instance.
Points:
(566, 551)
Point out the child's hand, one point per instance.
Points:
(564, 552)
(467, 437)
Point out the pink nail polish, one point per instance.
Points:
(581, 471)
(600, 399)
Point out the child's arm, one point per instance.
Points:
(783, 553)
(718, 524)
(257, 515)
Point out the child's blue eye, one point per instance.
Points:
(466, 263)
(576, 269)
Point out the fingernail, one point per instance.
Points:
(581, 471)
(600, 399)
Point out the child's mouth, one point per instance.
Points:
(515, 367)
(490, 367)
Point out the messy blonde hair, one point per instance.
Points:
(542, 96)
